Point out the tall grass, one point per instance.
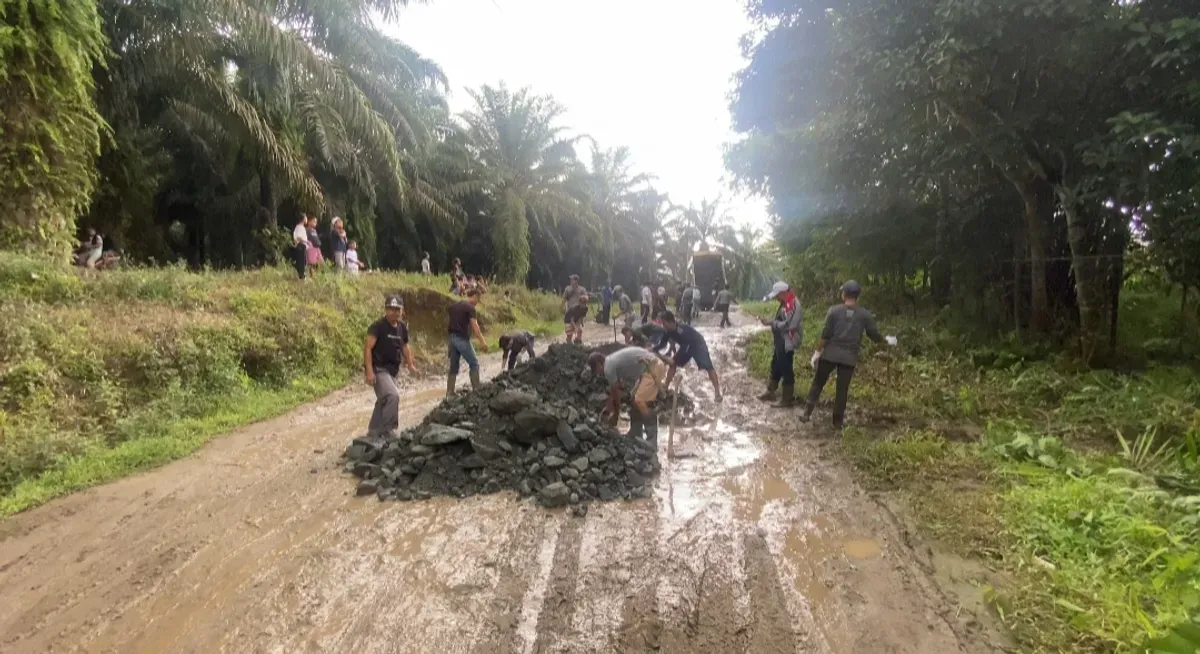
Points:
(102, 374)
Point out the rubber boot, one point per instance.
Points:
(788, 400)
(809, 407)
(450, 380)
(769, 396)
(650, 425)
(635, 425)
(475, 380)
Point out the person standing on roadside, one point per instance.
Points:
(660, 302)
(696, 300)
(624, 307)
(787, 332)
(300, 246)
(574, 309)
(386, 348)
(724, 298)
(837, 351)
(353, 263)
(313, 253)
(464, 322)
(692, 347)
(513, 343)
(683, 306)
(338, 244)
(647, 302)
(606, 298)
(426, 268)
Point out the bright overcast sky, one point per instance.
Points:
(653, 75)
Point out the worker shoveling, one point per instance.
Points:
(535, 430)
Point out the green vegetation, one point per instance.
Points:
(106, 374)
(1081, 487)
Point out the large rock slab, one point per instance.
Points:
(532, 425)
(435, 434)
(512, 401)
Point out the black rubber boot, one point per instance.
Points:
(635, 425)
(450, 380)
(769, 396)
(650, 425)
(809, 407)
(474, 380)
(788, 399)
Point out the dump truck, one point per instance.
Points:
(708, 269)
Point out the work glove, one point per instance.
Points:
(816, 358)
(891, 340)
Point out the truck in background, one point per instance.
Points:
(708, 269)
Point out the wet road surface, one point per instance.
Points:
(759, 542)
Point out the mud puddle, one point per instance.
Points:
(753, 544)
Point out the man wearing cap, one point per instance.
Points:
(463, 323)
(624, 307)
(787, 331)
(574, 309)
(387, 345)
(837, 351)
(641, 371)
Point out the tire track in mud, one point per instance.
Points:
(558, 606)
(771, 626)
(517, 575)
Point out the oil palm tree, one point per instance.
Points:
(751, 260)
(526, 168)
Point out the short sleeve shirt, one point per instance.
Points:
(389, 345)
(627, 365)
(461, 314)
(725, 297)
(574, 296)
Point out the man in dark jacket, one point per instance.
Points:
(513, 343)
(837, 351)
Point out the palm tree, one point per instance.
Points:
(526, 167)
(751, 261)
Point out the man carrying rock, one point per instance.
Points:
(463, 323)
(387, 344)
(641, 371)
(512, 343)
(575, 307)
(838, 349)
(692, 346)
(787, 330)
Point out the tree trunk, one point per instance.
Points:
(268, 217)
(1091, 289)
(1018, 266)
(1039, 210)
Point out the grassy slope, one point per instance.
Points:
(1009, 454)
(102, 375)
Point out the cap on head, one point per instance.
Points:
(617, 289)
(393, 302)
(851, 289)
(779, 287)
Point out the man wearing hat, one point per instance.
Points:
(787, 330)
(575, 306)
(624, 307)
(387, 345)
(837, 351)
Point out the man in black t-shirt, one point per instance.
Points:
(513, 343)
(464, 323)
(386, 348)
(692, 347)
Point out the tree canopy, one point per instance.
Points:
(960, 143)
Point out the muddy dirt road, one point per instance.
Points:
(760, 543)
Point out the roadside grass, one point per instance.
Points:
(102, 375)
(1080, 489)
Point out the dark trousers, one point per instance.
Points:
(783, 365)
(724, 309)
(844, 374)
(298, 258)
(605, 313)
(645, 313)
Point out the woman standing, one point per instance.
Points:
(338, 243)
(313, 254)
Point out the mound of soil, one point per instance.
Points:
(533, 430)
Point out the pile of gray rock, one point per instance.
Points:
(534, 430)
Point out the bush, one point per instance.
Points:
(103, 373)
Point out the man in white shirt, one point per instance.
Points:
(300, 245)
(647, 300)
(426, 269)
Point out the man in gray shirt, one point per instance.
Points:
(723, 299)
(837, 351)
(641, 372)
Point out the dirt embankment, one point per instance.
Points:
(760, 543)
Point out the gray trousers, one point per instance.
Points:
(386, 416)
